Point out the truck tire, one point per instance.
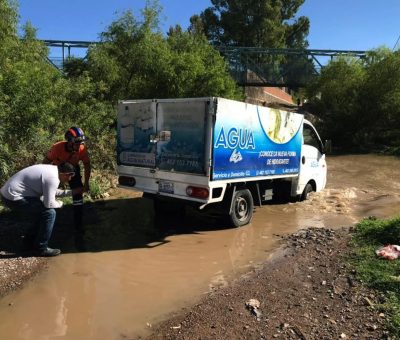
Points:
(242, 208)
(307, 189)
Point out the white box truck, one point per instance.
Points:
(215, 151)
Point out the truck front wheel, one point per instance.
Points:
(307, 189)
(241, 208)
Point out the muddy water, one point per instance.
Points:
(120, 291)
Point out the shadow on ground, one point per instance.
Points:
(112, 224)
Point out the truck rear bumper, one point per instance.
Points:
(195, 188)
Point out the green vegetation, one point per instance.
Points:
(264, 24)
(255, 23)
(133, 61)
(358, 102)
(378, 273)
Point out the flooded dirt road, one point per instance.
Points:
(129, 279)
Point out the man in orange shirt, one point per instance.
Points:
(73, 151)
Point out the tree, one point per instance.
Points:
(198, 69)
(8, 43)
(263, 24)
(135, 60)
(335, 97)
(28, 101)
(359, 101)
(254, 23)
(37, 103)
(380, 98)
(8, 29)
(129, 57)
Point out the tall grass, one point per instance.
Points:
(378, 273)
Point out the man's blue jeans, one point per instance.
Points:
(43, 218)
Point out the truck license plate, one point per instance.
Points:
(167, 187)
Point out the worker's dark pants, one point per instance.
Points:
(43, 219)
(77, 200)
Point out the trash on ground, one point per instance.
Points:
(389, 252)
(253, 305)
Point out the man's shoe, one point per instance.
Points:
(48, 252)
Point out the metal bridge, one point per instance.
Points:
(249, 66)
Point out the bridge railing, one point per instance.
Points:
(253, 66)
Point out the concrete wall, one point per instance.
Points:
(267, 95)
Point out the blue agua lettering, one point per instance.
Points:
(221, 140)
(235, 138)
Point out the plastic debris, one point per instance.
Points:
(253, 305)
(389, 252)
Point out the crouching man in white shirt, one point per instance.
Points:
(33, 191)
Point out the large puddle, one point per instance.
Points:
(117, 292)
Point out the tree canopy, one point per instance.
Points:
(136, 61)
(255, 23)
(133, 60)
(359, 101)
(263, 24)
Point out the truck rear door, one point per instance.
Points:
(136, 124)
(181, 136)
(163, 134)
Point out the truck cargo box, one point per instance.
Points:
(203, 150)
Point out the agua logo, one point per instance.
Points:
(235, 138)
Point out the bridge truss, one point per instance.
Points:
(249, 66)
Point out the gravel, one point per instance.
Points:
(16, 267)
(307, 291)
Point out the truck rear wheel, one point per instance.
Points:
(242, 208)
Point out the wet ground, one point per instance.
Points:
(130, 278)
(306, 291)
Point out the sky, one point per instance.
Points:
(335, 24)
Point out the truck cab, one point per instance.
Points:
(313, 168)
